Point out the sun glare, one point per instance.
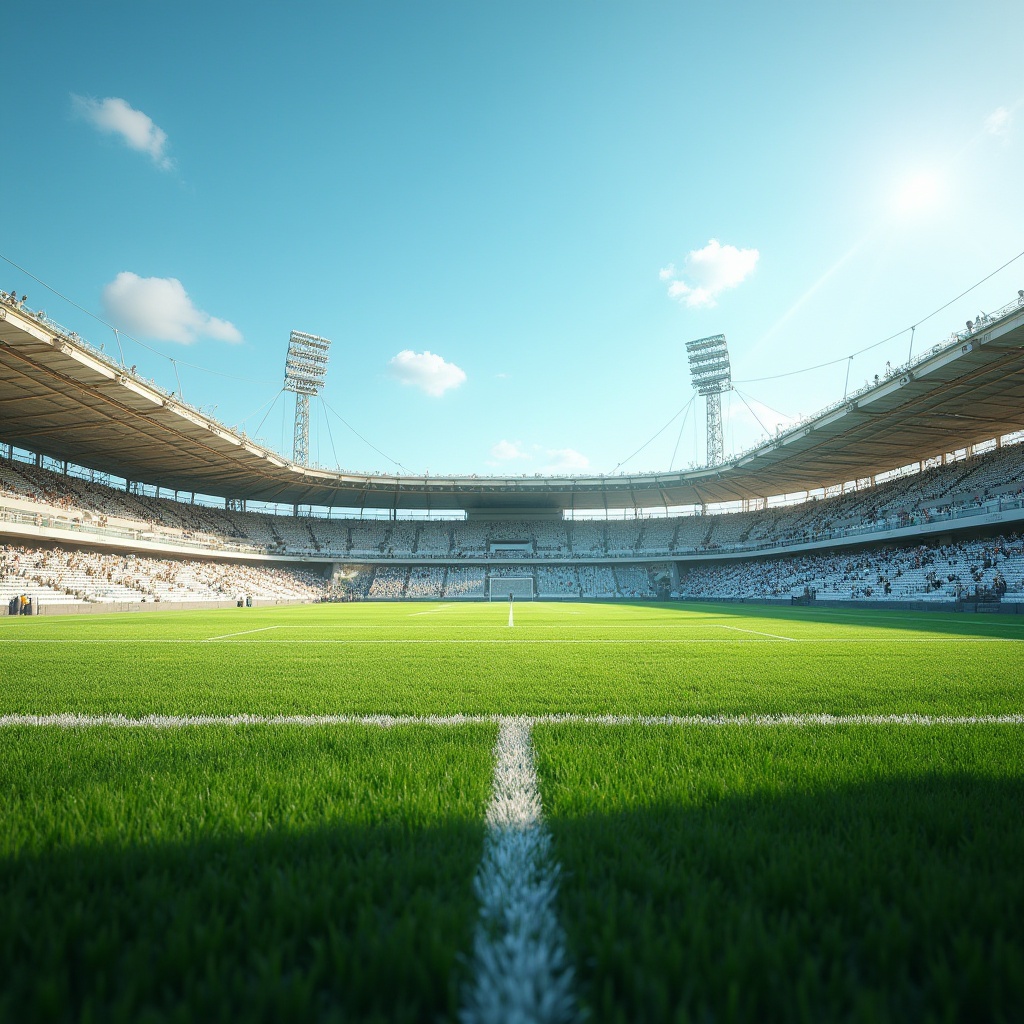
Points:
(919, 193)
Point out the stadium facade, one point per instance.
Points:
(95, 457)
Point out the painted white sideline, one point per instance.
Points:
(65, 641)
(520, 968)
(73, 720)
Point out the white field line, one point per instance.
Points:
(776, 720)
(71, 720)
(507, 639)
(520, 968)
(242, 632)
(758, 632)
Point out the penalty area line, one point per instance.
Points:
(242, 632)
(758, 632)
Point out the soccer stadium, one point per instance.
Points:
(521, 740)
(787, 734)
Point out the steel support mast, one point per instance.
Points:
(711, 374)
(305, 370)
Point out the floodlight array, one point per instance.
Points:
(305, 368)
(710, 369)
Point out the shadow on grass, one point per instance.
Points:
(336, 923)
(942, 620)
(900, 899)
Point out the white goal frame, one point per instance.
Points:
(499, 587)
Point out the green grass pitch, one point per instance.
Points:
(740, 871)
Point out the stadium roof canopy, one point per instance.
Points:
(62, 398)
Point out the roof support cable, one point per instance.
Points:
(256, 434)
(117, 338)
(330, 434)
(765, 404)
(657, 435)
(892, 337)
(363, 439)
(682, 427)
(752, 413)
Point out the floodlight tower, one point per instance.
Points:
(711, 375)
(304, 372)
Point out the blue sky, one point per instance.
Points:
(548, 198)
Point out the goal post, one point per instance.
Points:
(520, 587)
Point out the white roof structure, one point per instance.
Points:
(62, 398)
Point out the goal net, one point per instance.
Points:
(499, 587)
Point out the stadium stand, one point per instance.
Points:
(586, 558)
(466, 581)
(59, 576)
(952, 490)
(557, 581)
(389, 582)
(426, 581)
(634, 581)
(597, 581)
(963, 569)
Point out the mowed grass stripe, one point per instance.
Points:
(141, 666)
(239, 874)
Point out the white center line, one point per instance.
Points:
(521, 971)
(72, 720)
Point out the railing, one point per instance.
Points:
(97, 353)
(983, 323)
(51, 521)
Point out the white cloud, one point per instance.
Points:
(708, 272)
(506, 451)
(116, 116)
(566, 460)
(159, 307)
(999, 121)
(426, 371)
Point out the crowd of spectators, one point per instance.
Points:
(425, 581)
(958, 570)
(466, 581)
(389, 581)
(940, 491)
(101, 577)
(557, 581)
